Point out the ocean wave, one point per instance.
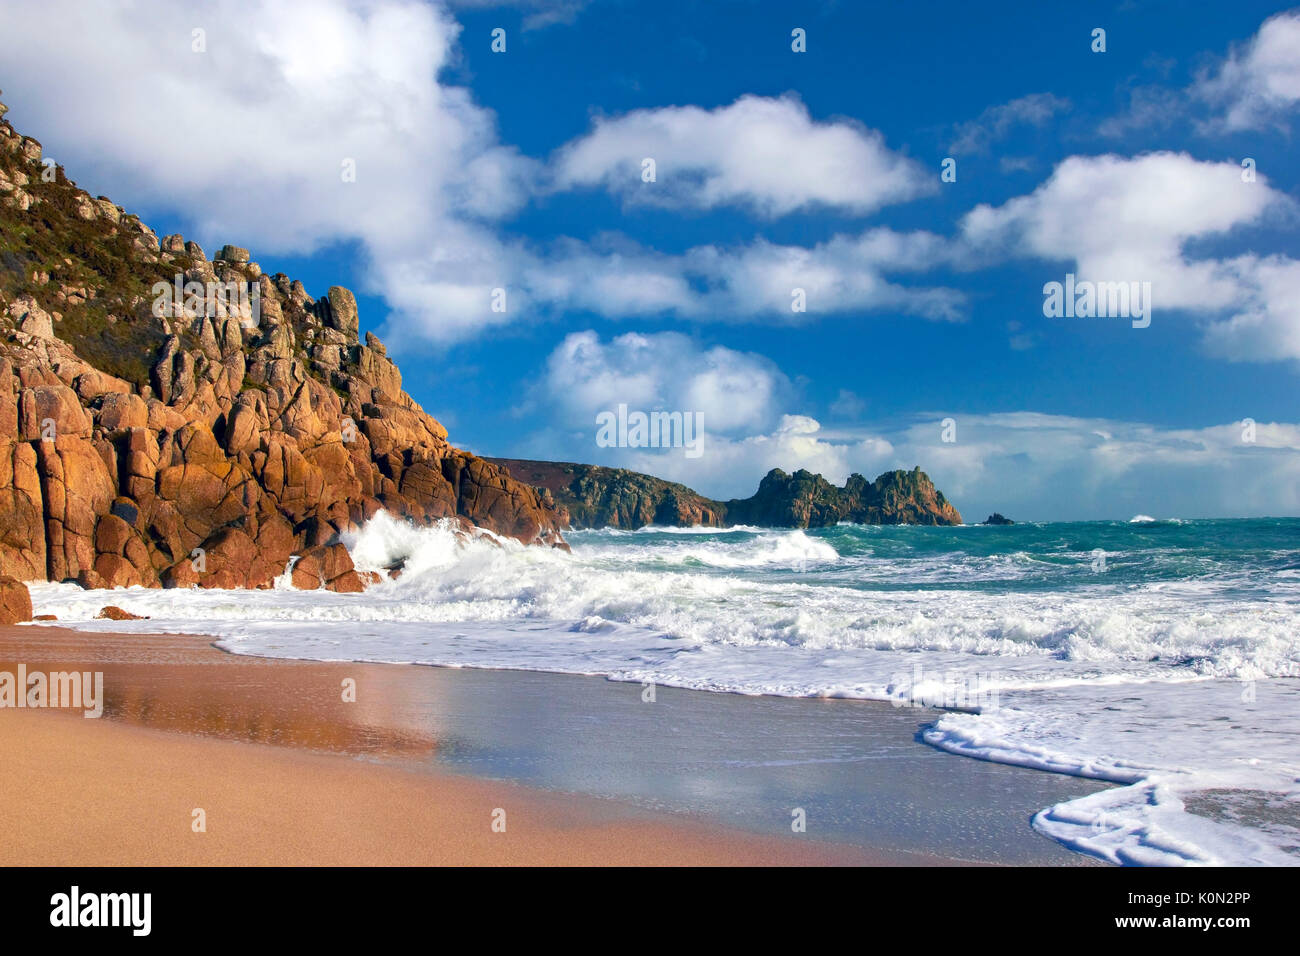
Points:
(786, 612)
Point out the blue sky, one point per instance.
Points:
(775, 169)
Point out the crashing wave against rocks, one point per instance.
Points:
(180, 446)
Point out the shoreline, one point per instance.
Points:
(296, 779)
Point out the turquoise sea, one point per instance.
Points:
(1160, 655)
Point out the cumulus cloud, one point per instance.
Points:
(766, 155)
(664, 371)
(1257, 85)
(846, 272)
(616, 278)
(248, 142)
(248, 128)
(977, 135)
(1121, 219)
(1024, 464)
(1266, 324)
(732, 466)
(250, 133)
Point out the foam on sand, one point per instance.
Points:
(1167, 673)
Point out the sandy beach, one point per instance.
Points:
(298, 777)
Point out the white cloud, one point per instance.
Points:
(1254, 87)
(1040, 466)
(846, 272)
(253, 131)
(977, 135)
(246, 143)
(247, 139)
(767, 155)
(1016, 164)
(731, 466)
(666, 371)
(1025, 464)
(617, 279)
(1133, 219)
(1266, 324)
(1028, 465)
(1258, 85)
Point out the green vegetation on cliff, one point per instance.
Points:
(203, 436)
(597, 497)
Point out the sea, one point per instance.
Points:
(1160, 655)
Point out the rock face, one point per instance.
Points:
(114, 613)
(997, 518)
(596, 497)
(805, 500)
(201, 438)
(15, 601)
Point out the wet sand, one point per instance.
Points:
(412, 768)
(285, 771)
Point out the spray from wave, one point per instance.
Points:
(1182, 619)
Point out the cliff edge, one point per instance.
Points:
(170, 420)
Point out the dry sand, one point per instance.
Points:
(290, 776)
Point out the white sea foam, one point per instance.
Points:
(1159, 670)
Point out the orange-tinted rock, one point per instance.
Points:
(89, 578)
(329, 566)
(276, 542)
(306, 574)
(349, 582)
(51, 412)
(112, 612)
(77, 490)
(15, 601)
(112, 534)
(22, 514)
(119, 411)
(116, 571)
(129, 439)
(183, 574)
(246, 423)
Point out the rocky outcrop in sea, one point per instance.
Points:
(592, 496)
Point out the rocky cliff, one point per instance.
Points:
(805, 500)
(597, 497)
(166, 419)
